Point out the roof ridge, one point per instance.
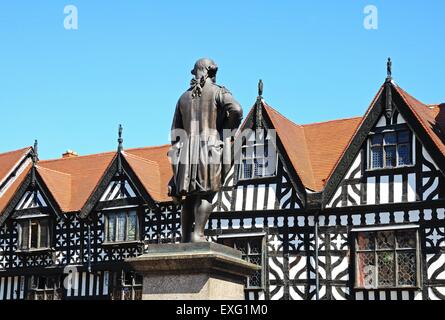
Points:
(77, 157)
(102, 153)
(279, 113)
(149, 147)
(13, 151)
(373, 101)
(52, 170)
(306, 147)
(330, 121)
(140, 158)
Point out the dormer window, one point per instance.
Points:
(258, 159)
(34, 234)
(390, 149)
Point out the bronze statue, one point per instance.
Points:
(202, 113)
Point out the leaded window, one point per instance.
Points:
(256, 162)
(121, 226)
(127, 285)
(34, 234)
(390, 149)
(387, 259)
(44, 288)
(252, 251)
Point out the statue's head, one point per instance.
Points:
(205, 67)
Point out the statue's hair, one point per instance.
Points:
(208, 65)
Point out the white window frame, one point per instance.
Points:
(267, 171)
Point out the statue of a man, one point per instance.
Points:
(202, 113)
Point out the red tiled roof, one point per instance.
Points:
(6, 198)
(432, 118)
(313, 149)
(154, 157)
(9, 160)
(8, 163)
(73, 180)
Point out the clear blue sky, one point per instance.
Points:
(129, 61)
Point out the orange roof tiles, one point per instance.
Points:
(430, 117)
(157, 155)
(73, 180)
(12, 189)
(9, 160)
(313, 148)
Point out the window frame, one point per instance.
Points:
(262, 238)
(395, 251)
(397, 130)
(115, 213)
(54, 293)
(121, 287)
(251, 159)
(29, 222)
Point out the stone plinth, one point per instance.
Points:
(192, 271)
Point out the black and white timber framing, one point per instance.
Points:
(277, 212)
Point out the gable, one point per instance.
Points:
(31, 200)
(276, 188)
(118, 189)
(363, 185)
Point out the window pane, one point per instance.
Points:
(111, 227)
(390, 138)
(24, 235)
(255, 246)
(385, 240)
(249, 152)
(247, 169)
(366, 270)
(44, 233)
(366, 241)
(34, 234)
(407, 268)
(376, 139)
(406, 239)
(377, 157)
(260, 167)
(386, 272)
(403, 136)
(390, 156)
(131, 229)
(404, 154)
(121, 217)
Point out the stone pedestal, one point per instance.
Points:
(192, 271)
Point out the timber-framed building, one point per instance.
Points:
(354, 209)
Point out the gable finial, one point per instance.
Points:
(35, 158)
(260, 88)
(389, 69)
(388, 105)
(35, 154)
(259, 106)
(120, 140)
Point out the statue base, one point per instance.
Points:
(192, 271)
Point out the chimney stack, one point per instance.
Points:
(69, 154)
